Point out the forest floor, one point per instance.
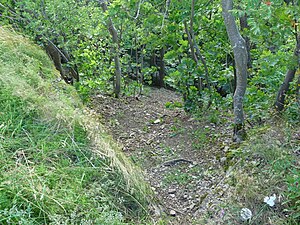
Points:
(182, 157)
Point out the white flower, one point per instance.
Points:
(246, 214)
(270, 200)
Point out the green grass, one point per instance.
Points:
(58, 165)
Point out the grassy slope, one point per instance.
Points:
(57, 163)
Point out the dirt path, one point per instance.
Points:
(179, 155)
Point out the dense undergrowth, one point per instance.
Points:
(58, 166)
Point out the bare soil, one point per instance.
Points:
(183, 158)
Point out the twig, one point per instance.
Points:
(138, 11)
(174, 161)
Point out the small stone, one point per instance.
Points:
(172, 213)
(223, 160)
(156, 121)
(171, 191)
(192, 206)
(246, 214)
(191, 119)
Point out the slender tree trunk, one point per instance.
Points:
(161, 81)
(154, 77)
(298, 90)
(195, 45)
(244, 25)
(197, 54)
(136, 60)
(285, 86)
(142, 74)
(241, 58)
(193, 54)
(114, 34)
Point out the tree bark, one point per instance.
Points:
(298, 91)
(244, 25)
(285, 86)
(161, 77)
(112, 30)
(241, 58)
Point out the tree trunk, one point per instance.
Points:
(240, 57)
(298, 91)
(195, 45)
(142, 68)
(279, 104)
(193, 54)
(161, 81)
(244, 25)
(114, 34)
(154, 77)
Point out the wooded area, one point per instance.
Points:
(238, 60)
(180, 45)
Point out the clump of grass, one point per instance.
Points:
(266, 166)
(58, 165)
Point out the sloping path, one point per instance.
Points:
(181, 157)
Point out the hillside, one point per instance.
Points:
(109, 161)
(58, 165)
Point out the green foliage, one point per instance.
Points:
(293, 194)
(145, 28)
(173, 105)
(292, 113)
(177, 176)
